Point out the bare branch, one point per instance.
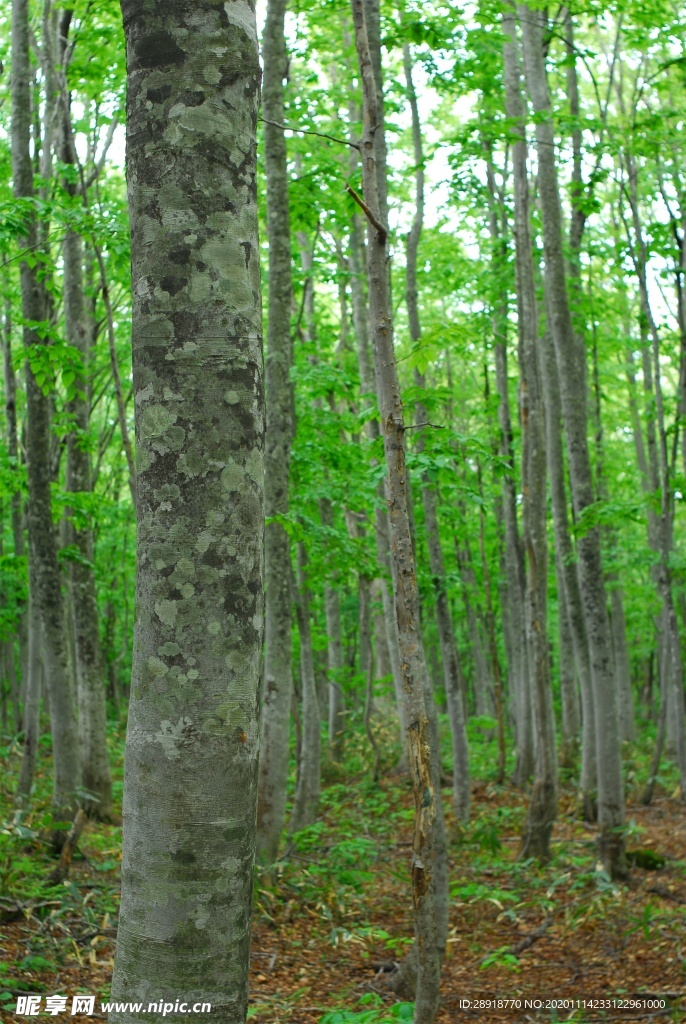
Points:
(381, 230)
(308, 131)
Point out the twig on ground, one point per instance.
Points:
(532, 937)
(72, 841)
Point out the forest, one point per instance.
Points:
(342, 482)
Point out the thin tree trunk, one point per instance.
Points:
(10, 382)
(649, 788)
(90, 674)
(334, 656)
(573, 402)
(368, 388)
(569, 694)
(309, 762)
(446, 636)
(492, 641)
(332, 605)
(568, 581)
(413, 667)
(116, 376)
(483, 696)
(513, 603)
(620, 650)
(190, 784)
(276, 699)
(42, 547)
(543, 803)
(32, 696)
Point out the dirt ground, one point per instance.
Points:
(572, 951)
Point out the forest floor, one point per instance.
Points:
(552, 943)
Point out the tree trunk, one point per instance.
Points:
(190, 783)
(661, 474)
(334, 659)
(276, 698)
(309, 761)
(513, 590)
(569, 694)
(90, 672)
(32, 696)
(573, 401)
(481, 683)
(10, 381)
(543, 803)
(413, 667)
(368, 388)
(620, 650)
(45, 572)
(449, 656)
(567, 575)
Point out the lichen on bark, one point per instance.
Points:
(192, 742)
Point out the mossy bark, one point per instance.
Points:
(192, 744)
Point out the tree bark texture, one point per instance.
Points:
(193, 734)
(276, 698)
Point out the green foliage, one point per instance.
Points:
(378, 1013)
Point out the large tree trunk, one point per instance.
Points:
(413, 667)
(573, 401)
(543, 803)
(276, 698)
(449, 656)
(193, 736)
(90, 671)
(45, 572)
